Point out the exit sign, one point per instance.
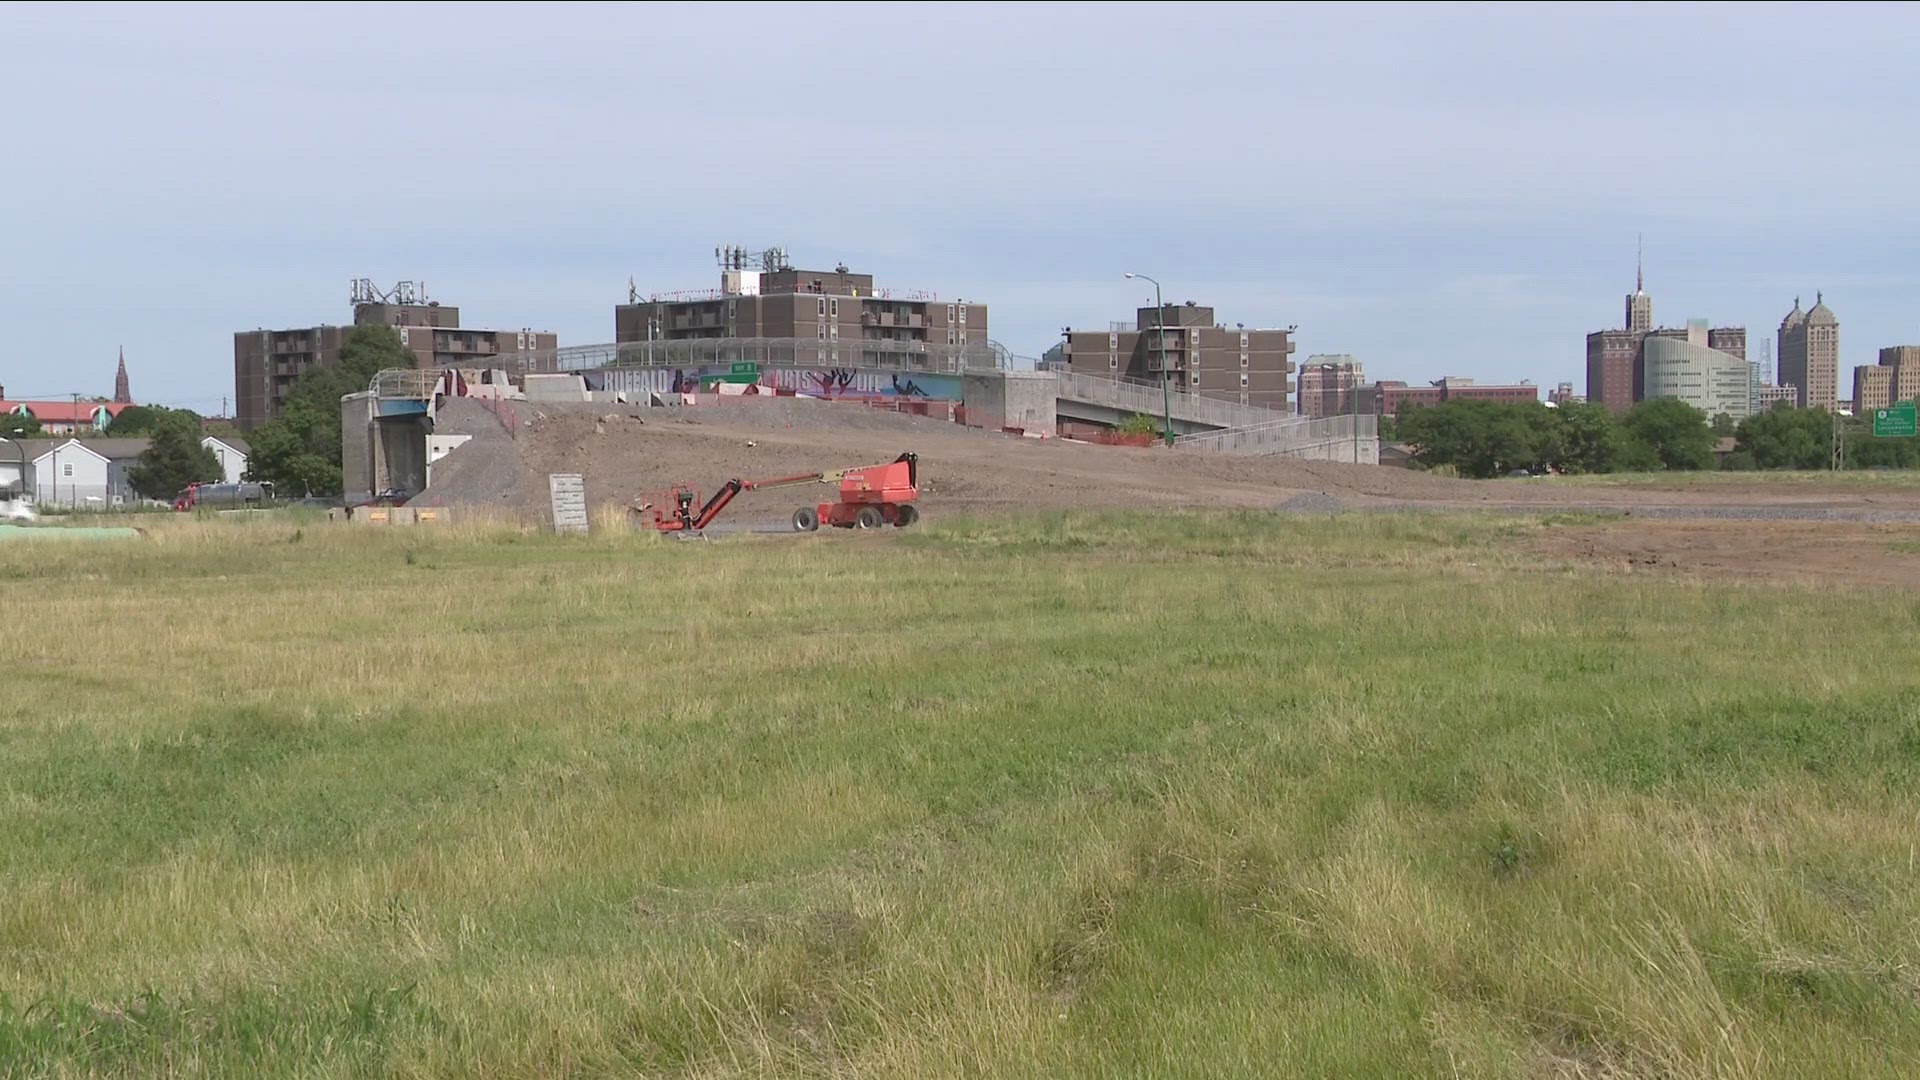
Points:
(1900, 421)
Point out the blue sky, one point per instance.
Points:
(1437, 190)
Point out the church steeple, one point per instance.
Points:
(122, 395)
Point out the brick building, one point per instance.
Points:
(1616, 359)
(1199, 356)
(1326, 384)
(1387, 397)
(826, 306)
(266, 363)
(1895, 378)
(1809, 352)
(1872, 387)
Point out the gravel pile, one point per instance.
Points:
(483, 471)
(1308, 502)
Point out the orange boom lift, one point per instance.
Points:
(870, 497)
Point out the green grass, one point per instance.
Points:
(1784, 480)
(1209, 795)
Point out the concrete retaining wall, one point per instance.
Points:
(1018, 399)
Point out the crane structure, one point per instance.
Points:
(870, 497)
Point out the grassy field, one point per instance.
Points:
(1202, 795)
(1778, 480)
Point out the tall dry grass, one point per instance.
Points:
(1052, 795)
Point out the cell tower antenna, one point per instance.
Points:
(738, 257)
(1639, 262)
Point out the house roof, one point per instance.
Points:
(233, 441)
(64, 412)
(111, 449)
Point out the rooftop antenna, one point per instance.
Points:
(1639, 262)
(633, 291)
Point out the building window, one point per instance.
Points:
(1243, 378)
(1113, 362)
(823, 307)
(949, 313)
(67, 469)
(949, 335)
(834, 307)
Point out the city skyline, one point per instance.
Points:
(1419, 218)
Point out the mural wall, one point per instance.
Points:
(815, 382)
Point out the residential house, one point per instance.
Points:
(93, 472)
(232, 452)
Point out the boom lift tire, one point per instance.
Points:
(806, 519)
(869, 518)
(907, 515)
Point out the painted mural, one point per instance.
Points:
(818, 382)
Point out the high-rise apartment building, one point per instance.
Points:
(266, 363)
(1810, 354)
(1326, 383)
(1616, 359)
(850, 320)
(1197, 355)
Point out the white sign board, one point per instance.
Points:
(569, 495)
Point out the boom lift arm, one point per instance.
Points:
(887, 488)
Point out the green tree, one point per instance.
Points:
(1590, 439)
(1787, 438)
(1676, 433)
(137, 420)
(1723, 425)
(173, 460)
(1481, 438)
(299, 451)
(18, 426)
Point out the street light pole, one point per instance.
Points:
(1160, 329)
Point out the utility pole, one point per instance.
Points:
(1160, 329)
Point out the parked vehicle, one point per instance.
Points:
(246, 494)
(17, 510)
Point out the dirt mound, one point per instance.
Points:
(629, 453)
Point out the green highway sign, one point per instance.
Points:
(746, 368)
(1901, 421)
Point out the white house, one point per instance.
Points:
(93, 472)
(77, 472)
(232, 453)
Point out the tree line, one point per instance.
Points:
(1497, 438)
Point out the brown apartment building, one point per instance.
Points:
(1199, 356)
(829, 307)
(266, 363)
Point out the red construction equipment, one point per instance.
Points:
(870, 497)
